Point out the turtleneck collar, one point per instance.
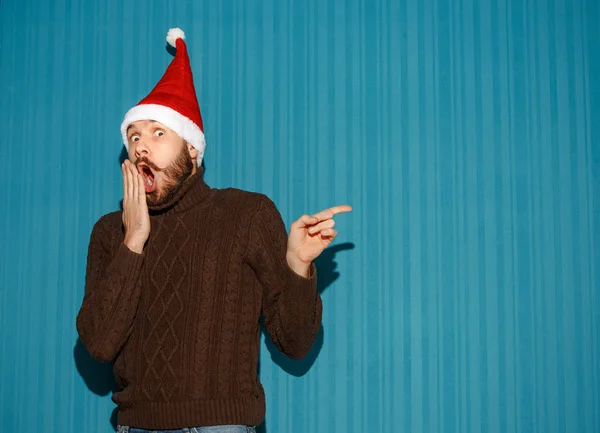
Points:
(193, 192)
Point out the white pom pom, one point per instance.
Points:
(173, 35)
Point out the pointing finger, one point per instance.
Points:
(331, 212)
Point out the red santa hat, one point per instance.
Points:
(173, 100)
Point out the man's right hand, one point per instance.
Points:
(135, 209)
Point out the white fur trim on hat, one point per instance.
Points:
(173, 120)
(173, 35)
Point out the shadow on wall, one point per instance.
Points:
(99, 376)
(326, 275)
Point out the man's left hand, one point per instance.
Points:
(309, 236)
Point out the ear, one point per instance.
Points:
(192, 151)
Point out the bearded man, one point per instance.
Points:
(177, 281)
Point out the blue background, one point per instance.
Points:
(462, 294)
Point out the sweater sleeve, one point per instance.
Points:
(291, 304)
(112, 292)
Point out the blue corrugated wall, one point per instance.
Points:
(462, 294)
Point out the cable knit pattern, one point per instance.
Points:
(181, 320)
(164, 283)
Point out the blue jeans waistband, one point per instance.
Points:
(210, 429)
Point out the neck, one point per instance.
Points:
(193, 191)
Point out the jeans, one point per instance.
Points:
(211, 429)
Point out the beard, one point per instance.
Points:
(172, 179)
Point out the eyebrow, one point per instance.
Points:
(133, 126)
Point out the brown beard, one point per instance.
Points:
(173, 177)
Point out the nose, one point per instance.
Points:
(141, 148)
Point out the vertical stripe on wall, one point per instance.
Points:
(462, 294)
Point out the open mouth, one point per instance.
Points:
(148, 175)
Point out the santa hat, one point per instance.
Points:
(173, 100)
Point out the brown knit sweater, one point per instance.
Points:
(181, 320)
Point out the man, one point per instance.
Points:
(176, 282)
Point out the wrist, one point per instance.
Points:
(135, 245)
(297, 265)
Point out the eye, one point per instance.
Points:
(134, 138)
(159, 133)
